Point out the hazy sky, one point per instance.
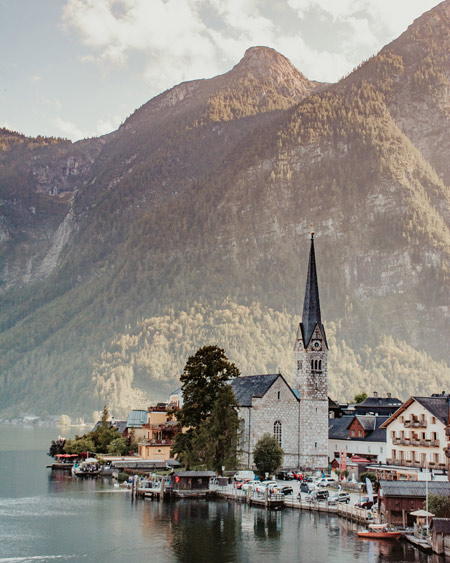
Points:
(79, 68)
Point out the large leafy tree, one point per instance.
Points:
(267, 454)
(439, 505)
(209, 411)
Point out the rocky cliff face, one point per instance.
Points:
(122, 255)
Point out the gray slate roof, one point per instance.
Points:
(338, 428)
(245, 388)
(441, 525)
(311, 306)
(438, 406)
(381, 402)
(414, 488)
(137, 418)
(195, 474)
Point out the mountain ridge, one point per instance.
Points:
(200, 206)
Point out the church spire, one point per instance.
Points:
(311, 306)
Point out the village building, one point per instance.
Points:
(267, 404)
(397, 499)
(418, 437)
(160, 428)
(358, 435)
(383, 406)
(297, 417)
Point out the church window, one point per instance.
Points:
(279, 395)
(243, 436)
(319, 367)
(299, 365)
(277, 431)
(433, 420)
(315, 444)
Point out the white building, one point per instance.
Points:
(417, 434)
(358, 435)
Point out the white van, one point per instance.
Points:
(244, 476)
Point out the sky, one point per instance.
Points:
(79, 68)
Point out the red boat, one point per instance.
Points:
(380, 532)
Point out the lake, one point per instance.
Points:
(52, 517)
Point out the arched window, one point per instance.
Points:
(312, 364)
(320, 365)
(277, 431)
(243, 436)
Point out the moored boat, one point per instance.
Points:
(380, 532)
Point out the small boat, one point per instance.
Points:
(90, 467)
(380, 532)
(64, 462)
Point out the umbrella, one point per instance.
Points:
(422, 514)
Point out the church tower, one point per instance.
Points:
(311, 377)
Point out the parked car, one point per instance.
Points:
(240, 484)
(244, 475)
(326, 482)
(309, 479)
(286, 490)
(285, 475)
(297, 475)
(339, 497)
(321, 494)
(272, 486)
(364, 502)
(249, 485)
(306, 487)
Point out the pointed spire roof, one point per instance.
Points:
(311, 306)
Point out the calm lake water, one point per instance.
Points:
(45, 517)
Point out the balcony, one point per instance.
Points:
(415, 442)
(396, 441)
(435, 443)
(426, 443)
(407, 424)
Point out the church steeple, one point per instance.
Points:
(311, 306)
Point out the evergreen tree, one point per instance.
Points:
(209, 410)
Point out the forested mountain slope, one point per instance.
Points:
(189, 225)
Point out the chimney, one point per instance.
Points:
(375, 394)
(389, 395)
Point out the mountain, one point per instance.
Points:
(189, 225)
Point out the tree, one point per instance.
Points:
(117, 447)
(360, 397)
(439, 505)
(372, 477)
(267, 455)
(209, 410)
(80, 445)
(57, 447)
(216, 440)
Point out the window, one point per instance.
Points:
(279, 395)
(359, 433)
(277, 431)
(402, 419)
(433, 420)
(393, 434)
(299, 365)
(243, 436)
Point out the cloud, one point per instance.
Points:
(69, 130)
(188, 39)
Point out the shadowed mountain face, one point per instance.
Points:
(120, 256)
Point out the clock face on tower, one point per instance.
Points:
(299, 345)
(316, 345)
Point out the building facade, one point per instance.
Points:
(298, 417)
(417, 434)
(311, 375)
(267, 404)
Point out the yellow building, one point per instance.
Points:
(159, 432)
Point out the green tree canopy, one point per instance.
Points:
(204, 375)
(267, 455)
(360, 397)
(209, 410)
(438, 505)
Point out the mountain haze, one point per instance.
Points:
(189, 225)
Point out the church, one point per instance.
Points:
(297, 417)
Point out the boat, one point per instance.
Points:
(90, 467)
(380, 532)
(64, 462)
